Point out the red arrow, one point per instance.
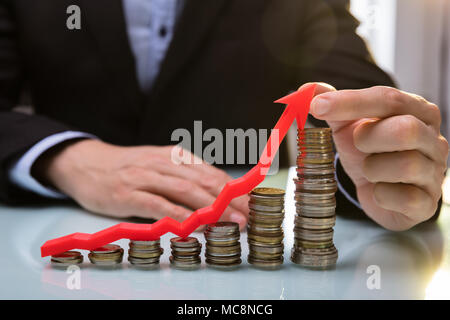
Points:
(298, 104)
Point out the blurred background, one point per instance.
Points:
(410, 39)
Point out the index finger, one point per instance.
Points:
(375, 102)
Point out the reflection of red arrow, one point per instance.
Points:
(297, 108)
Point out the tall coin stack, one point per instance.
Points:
(223, 249)
(315, 200)
(185, 253)
(107, 256)
(264, 231)
(145, 254)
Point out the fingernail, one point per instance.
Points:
(320, 106)
(238, 218)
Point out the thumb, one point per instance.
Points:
(316, 104)
(321, 87)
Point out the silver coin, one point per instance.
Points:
(223, 227)
(224, 236)
(133, 260)
(187, 249)
(182, 265)
(315, 202)
(267, 215)
(300, 220)
(234, 247)
(106, 262)
(268, 249)
(66, 259)
(263, 229)
(109, 248)
(228, 259)
(185, 255)
(308, 207)
(265, 264)
(265, 220)
(67, 256)
(317, 252)
(316, 214)
(65, 264)
(322, 196)
(184, 242)
(146, 243)
(145, 254)
(264, 208)
(316, 166)
(227, 239)
(301, 186)
(313, 264)
(313, 235)
(145, 251)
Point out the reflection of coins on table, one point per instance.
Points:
(108, 255)
(315, 200)
(185, 253)
(264, 230)
(145, 254)
(66, 259)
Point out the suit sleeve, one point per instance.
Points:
(18, 132)
(332, 52)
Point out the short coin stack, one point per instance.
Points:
(66, 259)
(315, 200)
(109, 255)
(185, 253)
(145, 254)
(223, 249)
(264, 230)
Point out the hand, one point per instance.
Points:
(136, 181)
(390, 145)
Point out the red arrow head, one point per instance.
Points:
(300, 100)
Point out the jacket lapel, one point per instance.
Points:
(105, 20)
(191, 28)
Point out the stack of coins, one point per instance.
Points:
(66, 259)
(264, 230)
(223, 249)
(315, 200)
(185, 253)
(109, 255)
(145, 254)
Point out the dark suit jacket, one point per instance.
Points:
(228, 61)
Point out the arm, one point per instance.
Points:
(18, 132)
(22, 172)
(103, 178)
